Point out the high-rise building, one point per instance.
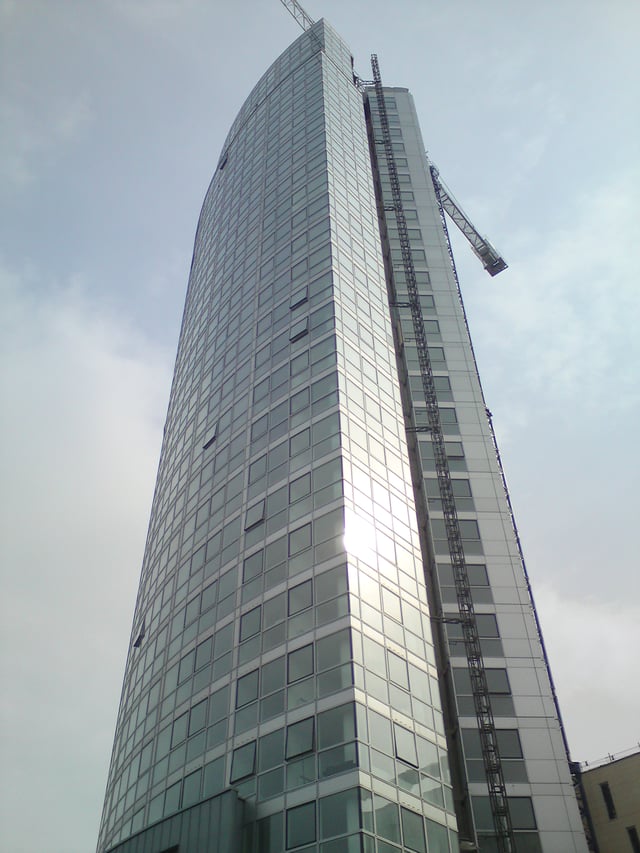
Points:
(300, 675)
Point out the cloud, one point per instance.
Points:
(568, 321)
(84, 397)
(593, 649)
(36, 124)
(46, 98)
(154, 14)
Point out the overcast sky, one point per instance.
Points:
(112, 116)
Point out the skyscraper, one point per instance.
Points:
(299, 676)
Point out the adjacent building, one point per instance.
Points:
(611, 792)
(296, 678)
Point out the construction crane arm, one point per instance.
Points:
(492, 261)
(298, 13)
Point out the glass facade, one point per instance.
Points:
(282, 649)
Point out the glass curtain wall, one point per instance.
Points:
(281, 644)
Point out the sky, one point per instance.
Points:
(112, 117)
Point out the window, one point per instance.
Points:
(212, 437)
(299, 540)
(301, 825)
(387, 822)
(336, 726)
(252, 566)
(299, 488)
(250, 624)
(179, 729)
(298, 297)
(497, 681)
(608, 800)
(334, 649)
(300, 663)
(521, 809)
(398, 670)
(198, 717)
(340, 814)
(469, 529)
(413, 831)
(405, 745)
(448, 416)
(243, 762)
(255, 514)
(299, 329)
(498, 684)
(300, 597)
(300, 442)
(632, 832)
(271, 750)
(522, 815)
(247, 689)
(300, 738)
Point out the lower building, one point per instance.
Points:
(611, 792)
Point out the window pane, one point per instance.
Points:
(413, 831)
(300, 663)
(271, 750)
(243, 763)
(299, 540)
(522, 816)
(300, 737)
(219, 705)
(198, 717)
(273, 676)
(334, 649)
(380, 732)
(270, 834)
(437, 836)
(387, 822)
(301, 825)
(330, 584)
(300, 597)
(405, 745)
(336, 726)
(247, 689)
(339, 814)
(398, 670)
(250, 624)
(340, 759)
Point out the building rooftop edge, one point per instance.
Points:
(612, 758)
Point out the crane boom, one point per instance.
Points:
(492, 261)
(298, 13)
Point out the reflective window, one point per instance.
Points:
(300, 663)
(301, 825)
(243, 761)
(300, 737)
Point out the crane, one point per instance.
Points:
(491, 260)
(299, 14)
